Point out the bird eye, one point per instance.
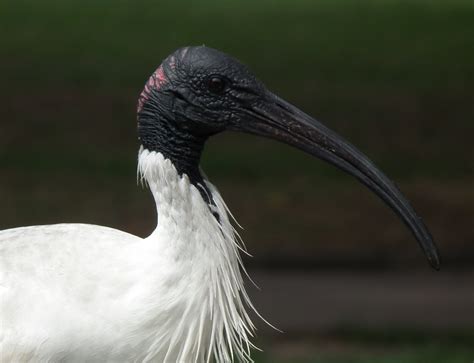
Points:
(216, 84)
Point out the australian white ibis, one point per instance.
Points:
(77, 292)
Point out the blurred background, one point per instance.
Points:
(338, 272)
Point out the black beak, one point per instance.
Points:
(277, 119)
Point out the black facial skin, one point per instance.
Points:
(205, 92)
(201, 96)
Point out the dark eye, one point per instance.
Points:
(216, 84)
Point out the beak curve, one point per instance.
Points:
(277, 119)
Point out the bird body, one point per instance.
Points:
(77, 292)
(85, 293)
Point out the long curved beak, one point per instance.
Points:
(277, 119)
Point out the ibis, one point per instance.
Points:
(87, 293)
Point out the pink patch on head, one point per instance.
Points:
(155, 82)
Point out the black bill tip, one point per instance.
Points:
(433, 258)
(425, 239)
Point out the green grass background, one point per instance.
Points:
(395, 77)
(356, 346)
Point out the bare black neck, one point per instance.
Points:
(183, 148)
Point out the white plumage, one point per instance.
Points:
(77, 292)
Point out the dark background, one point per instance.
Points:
(394, 77)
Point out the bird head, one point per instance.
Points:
(201, 90)
(198, 92)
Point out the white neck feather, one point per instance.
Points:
(206, 296)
